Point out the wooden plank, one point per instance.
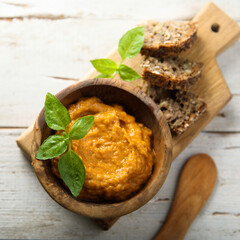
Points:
(104, 9)
(40, 65)
(27, 212)
(61, 49)
(228, 119)
(35, 56)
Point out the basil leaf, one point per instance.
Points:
(72, 171)
(52, 147)
(102, 75)
(131, 43)
(81, 127)
(104, 65)
(127, 73)
(56, 115)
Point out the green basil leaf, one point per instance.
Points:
(65, 134)
(131, 43)
(56, 115)
(104, 65)
(52, 147)
(102, 75)
(72, 171)
(81, 127)
(127, 73)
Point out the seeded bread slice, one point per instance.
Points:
(172, 72)
(167, 38)
(181, 109)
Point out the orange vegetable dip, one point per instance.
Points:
(116, 152)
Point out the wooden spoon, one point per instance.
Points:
(195, 185)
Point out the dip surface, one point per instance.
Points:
(116, 152)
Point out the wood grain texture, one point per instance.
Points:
(27, 212)
(212, 87)
(126, 10)
(195, 185)
(31, 59)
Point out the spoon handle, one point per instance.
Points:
(195, 185)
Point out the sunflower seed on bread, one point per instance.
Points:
(167, 38)
(171, 72)
(181, 109)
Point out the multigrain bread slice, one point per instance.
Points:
(180, 108)
(172, 72)
(167, 38)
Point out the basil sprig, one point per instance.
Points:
(70, 165)
(129, 46)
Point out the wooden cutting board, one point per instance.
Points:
(216, 32)
(212, 87)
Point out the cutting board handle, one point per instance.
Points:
(217, 30)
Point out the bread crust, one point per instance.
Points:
(182, 82)
(168, 49)
(169, 83)
(167, 77)
(180, 108)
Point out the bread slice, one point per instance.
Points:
(172, 72)
(167, 38)
(180, 108)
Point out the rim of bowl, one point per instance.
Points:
(103, 210)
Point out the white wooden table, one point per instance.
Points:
(45, 46)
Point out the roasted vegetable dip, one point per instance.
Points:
(116, 152)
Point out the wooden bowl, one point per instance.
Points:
(135, 103)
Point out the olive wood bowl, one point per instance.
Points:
(136, 103)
